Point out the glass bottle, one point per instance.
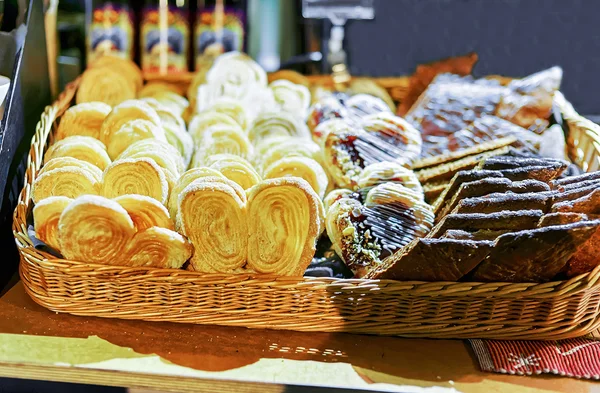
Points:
(164, 36)
(220, 27)
(110, 29)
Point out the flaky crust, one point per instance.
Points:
(84, 119)
(285, 219)
(214, 218)
(94, 229)
(46, 214)
(135, 176)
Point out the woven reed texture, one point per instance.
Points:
(548, 311)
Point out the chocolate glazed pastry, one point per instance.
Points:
(516, 221)
(481, 234)
(509, 162)
(551, 219)
(460, 178)
(535, 255)
(433, 260)
(489, 186)
(497, 202)
(576, 179)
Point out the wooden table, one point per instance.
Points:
(38, 344)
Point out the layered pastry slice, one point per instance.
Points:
(213, 215)
(285, 218)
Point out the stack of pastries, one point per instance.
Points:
(247, 176)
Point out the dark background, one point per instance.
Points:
(511, 37)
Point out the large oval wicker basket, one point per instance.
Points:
(551, 310)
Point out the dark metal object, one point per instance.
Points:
(28, 95)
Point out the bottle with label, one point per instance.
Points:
(164, 36)
(110, 29)
(220, 27)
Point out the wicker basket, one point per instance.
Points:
(552, 310)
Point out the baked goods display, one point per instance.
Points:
(253, 174)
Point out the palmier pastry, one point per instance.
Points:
(104, 85)
(287, 147)
(145, 212)
(94, 229)
(140, 176)
(46, 214)
(292, 98)
(383, 172)
(394, 135)
(302, 167)
(165, 155)
(70, 182)
(232, 108)
(235, 75)
(123, 66)
(124, 112)
(166, 115)
(156, 87)
(268, 125)
(172, 101)
(84, 148)
(213, 216)
(363, 235)
(158, 247)
(66, 162)
(203, 121)
(180, 139)
(289, 75)
(284, 221)
(235, 168)
(185, 180)
(222, 140)
(131, 132)
(83, 119)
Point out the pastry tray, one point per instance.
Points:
(548, 311)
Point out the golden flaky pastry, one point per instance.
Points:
(84, 119)
(65, 162)
(145, 212)
(158, 247)
(285, 217)
(165, 155)
(84, 148)
(285, 147)
(124, 112)
(104, 85)
(94, 229)
(180, 139)
(232, 108)
(272, 124)
(214, 218)
(222, 139)
(235, 168)
(70, 182)
(125, 67)
(291, 98)
(130, 132)
(174, 102)
(46, 214)
(205, 120)
(184, 181)
(302, 167)
(156, 87)
(140, 176)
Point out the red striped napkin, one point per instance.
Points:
(579, 358)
